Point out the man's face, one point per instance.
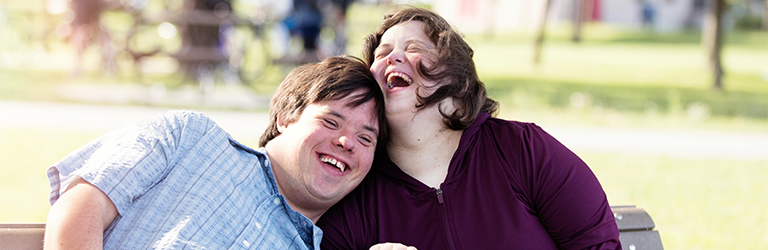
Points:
(325, 153)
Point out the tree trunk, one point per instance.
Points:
(540, 31)
(765, 16)
(712, 40)
(578, 19)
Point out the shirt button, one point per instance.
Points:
(258, 225)
(246, 244)
(276, 201)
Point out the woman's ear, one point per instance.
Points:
(466, 86)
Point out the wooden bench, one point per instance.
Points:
(635, 226)
(636, 229)
(27, 236)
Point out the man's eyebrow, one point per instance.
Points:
(375, 131)
(339, 115)
(366, 127)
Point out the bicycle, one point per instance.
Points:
(213, 41)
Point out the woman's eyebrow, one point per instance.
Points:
(382, 46)
(419, 42)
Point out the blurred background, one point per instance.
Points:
(666, 100)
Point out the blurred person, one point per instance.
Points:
(85, 27)
(181, 181)
(695, 15)
(335, 12)
(305, 20)
(648, 14)
(451, 175)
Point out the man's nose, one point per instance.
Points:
(346, 142)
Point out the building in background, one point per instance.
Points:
(490, 16)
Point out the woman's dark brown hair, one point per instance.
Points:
(454, 67)
(332, 79)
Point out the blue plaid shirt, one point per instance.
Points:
(181, 182)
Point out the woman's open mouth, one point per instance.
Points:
(397, 79)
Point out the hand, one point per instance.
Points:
(391, 246)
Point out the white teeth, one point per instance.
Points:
(334, 162)
(398, 74)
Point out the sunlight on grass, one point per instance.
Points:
(24, 157)
(600, 64)
(695, 203)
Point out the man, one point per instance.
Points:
(180, 181)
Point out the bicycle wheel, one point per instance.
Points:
(251, 57)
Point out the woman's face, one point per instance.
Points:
(396, 66)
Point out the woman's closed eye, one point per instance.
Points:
(413, 48)
(380, 54)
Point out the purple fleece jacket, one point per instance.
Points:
(510, 185)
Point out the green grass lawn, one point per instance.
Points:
(695, 203)
(25, 155)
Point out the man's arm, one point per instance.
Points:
(78, 219)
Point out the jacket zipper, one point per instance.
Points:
(439, 196)
(444, 217)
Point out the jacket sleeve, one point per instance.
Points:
(567, 196)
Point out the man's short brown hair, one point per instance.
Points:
(332, 79)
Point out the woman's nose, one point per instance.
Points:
(394, 57)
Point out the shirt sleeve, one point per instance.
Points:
(125, 163)
(567, 196)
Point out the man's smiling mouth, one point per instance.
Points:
(333, 162)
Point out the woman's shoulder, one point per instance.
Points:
(514, 127)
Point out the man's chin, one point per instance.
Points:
(327, 195)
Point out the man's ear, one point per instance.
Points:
(281, 124)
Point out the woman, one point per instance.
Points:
(452, 176)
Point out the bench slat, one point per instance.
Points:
(18, 236)
(640, 240)
(632, 218)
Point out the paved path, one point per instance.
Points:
(676, 143)
(102, 119)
